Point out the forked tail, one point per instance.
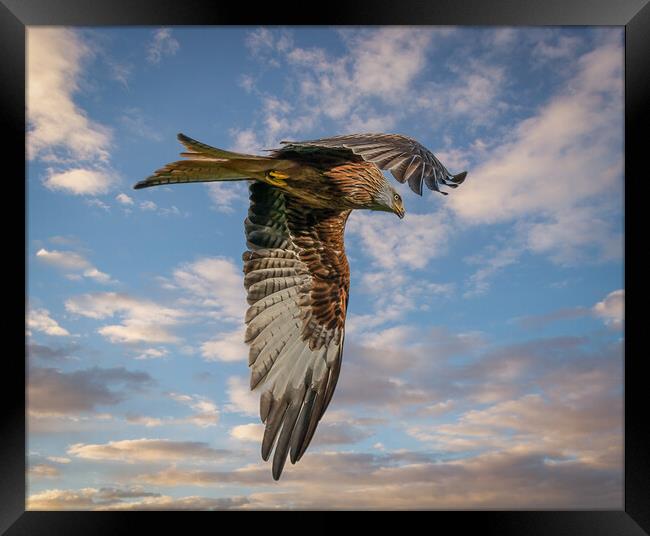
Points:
(205, 163)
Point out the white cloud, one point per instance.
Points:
(251, 433)
(79, 499)
(94, 202)
(403, 480)
(502, 37)
(400, 51)
(216, 283)
(162, 44)
(59, 131)
(392, 243)
(569, 154)
(612, 309)
(242, 399)
(205, 413)
(142, 320)
(378, 64)
(67, 260)
(40, 320)
(226, 347)
(476, 93)
(79, 181)
(58, 459)
(146, 450)
(225, 195)
(559, 47)
(587, 227)
(205, 410)
(70, 261)
(43, 470)
(55, 57)
(125, 499)
(132, 333)
(167, 503)
(120, 72)
(245, 141)
(148, 205)
(152, 353)
(124, 199)
(247, 82)
(397, 249)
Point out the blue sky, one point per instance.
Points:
(483, 359)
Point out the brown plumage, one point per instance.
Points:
(296, 273)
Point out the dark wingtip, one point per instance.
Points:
(278, 466)
(458, 179)
(141, 184)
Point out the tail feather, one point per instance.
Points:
(203, 150)
(191, 171)
(206, 163)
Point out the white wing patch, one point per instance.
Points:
(295, 379)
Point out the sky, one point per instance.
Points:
(483, 361)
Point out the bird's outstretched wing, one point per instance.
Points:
(297, 279)
(404, 157)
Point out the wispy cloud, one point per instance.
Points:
(43, 470)
(136, 124)
(212, 282)
(142, 320)
(226, 347)
(125, 499)
(147, 450)
(242, 399)
(491, 262)
(40, 320)
(567, 154)
(341, 87)
(392, 243)
(226, 197)
(59, 130)
(612, 309)
(204, 413)
(73, 263)
(162, 44)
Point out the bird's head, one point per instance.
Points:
(388, 200)
(364, 187)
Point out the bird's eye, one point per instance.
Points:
(396, 197)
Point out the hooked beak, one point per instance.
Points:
(399, 211)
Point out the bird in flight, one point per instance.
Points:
(297, 276)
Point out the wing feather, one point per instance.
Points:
(297, 283)
(389, 151)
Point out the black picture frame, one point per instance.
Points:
(634, 15)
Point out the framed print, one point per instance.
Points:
(401, 284)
